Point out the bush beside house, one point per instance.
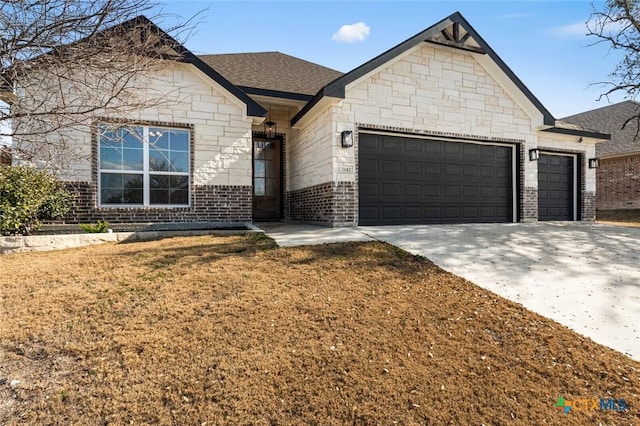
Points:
(27, 197)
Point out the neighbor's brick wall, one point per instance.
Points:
(209, 203)
(618, 181)
(329, 203)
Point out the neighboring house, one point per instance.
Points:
(618, 174)
(435, 130)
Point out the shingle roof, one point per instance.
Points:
(272, 71)
(610, 119)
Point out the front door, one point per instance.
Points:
(267, 189)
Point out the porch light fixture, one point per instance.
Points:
(346, 138)
(534, 154)
(594, 163)
(270, 127)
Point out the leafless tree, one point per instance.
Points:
(65, 63)
(618, 26)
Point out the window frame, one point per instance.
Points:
(146, 172)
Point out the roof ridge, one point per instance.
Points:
(626, 101)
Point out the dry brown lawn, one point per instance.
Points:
(232, 330)
(630, 217)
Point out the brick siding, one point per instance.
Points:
(209, 203)
(529, 207)
(618, 183)
(330, 203)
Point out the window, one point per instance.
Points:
(143, 166)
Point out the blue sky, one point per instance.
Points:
(543, 42)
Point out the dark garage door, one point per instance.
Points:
(556, 186)
(406, 180)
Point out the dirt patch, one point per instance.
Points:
(629, 217)
(231, 330)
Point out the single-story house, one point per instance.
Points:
(437, 129)
(618, 174)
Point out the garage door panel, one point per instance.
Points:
(433, 168)
(412, 167)
(451, 148)
(452, 170)
(412, 145)
(439, 182)
(369, 189)
(470, 191)
(412, 190)
(432, 190)
(390, 144)
(391, 190)
(368, 166)
(470, 212)
(452, 191)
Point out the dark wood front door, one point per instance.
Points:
(267, 172)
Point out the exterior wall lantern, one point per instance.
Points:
(270, 127)
(594, 163)
(534, 154)
(347, 138)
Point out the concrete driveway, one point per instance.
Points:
(585, 276)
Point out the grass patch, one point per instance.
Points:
(232, 330)
(630, 217)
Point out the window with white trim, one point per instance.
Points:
(143, 166)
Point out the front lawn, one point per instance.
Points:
(630, 217)
(232, 330)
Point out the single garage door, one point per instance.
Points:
(405, 180)
(556, 187)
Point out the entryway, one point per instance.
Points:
(267, 179)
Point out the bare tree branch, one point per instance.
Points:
(618, 25)
(65, 63)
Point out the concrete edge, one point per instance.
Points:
(32, 243)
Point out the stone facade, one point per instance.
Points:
(618, 181)
(220, 166)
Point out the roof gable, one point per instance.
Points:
(272, 73)
(169, 48)
(453, 31)
(185, 55)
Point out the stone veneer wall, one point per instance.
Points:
(330, 203)
(209, 203)
(618, 182)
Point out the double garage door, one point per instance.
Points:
(405, 180)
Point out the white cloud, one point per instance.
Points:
(352, 33)
(581, 29)
(577, 29)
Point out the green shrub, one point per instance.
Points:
(28, 196)
(100, 227)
